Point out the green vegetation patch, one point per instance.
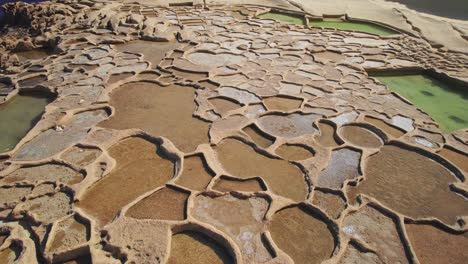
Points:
(446, 104)
(354, 25)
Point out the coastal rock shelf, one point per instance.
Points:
(203, 133)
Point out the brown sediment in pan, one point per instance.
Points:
(33, 81)
(296, 224)
(164, 204)
(327, 135)
(160, 111)
(225, 184)
(241, 160)
(294, 152)
(360, 137)
(140, 168)
(196, 174)
(190, 247)
(412, 184)
(259, 138)
(456, 157)
(380, 124)
(283, 104)
(434, 245)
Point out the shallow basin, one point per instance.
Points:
(18, 116)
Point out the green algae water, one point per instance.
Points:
(18, 116)
(284, 17)
(447, 105)
(354, 25)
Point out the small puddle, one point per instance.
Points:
(354, 25)
(160, 111)
(33, 81)
(18, 116)
(331, 203)
(283, 104)
(141, 167)
(411, 184)
(327, 135)
(258, 137)
(301, 235)
(294, 152)
(241, 160)
(225, 184)
(190, 247)
(35, 54)
(429, 241)
(196, 174)
(445, 103)
(458, 158)
(289, 18)
(164, 204)
(360, 137)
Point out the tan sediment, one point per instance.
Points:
(196, 174)
(282, 177)
(412, 184)
(294, 152)
(258, 137)
(193, 247)
(225, 184)
(168, 112)
(164, 204)
(456, 157)
(360, 137)
(327, 135)
(434, 245)
(296, 224)
(140, 168)
(394, 132)
(283, 104)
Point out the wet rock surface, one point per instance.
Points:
(185, 134)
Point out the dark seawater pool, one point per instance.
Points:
(457, 9)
